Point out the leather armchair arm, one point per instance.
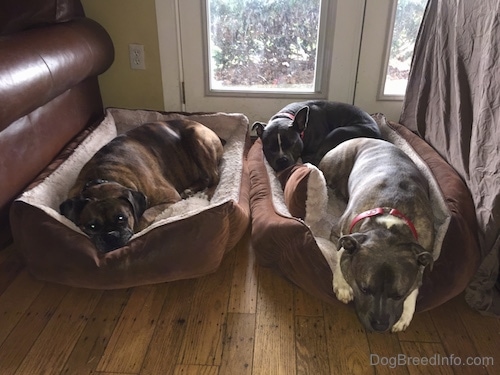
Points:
(39, 64)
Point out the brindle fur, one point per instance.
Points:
(163, 161)
(380, 265)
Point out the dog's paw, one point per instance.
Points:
(342, 290)
(401, 324)
(408, 311)
(188, 193)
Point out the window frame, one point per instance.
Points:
(387, 54)
(323, 64)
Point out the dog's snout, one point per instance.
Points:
(282, 162)
(380, 324)
(111, 240)
(113, 234)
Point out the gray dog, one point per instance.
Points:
(386, 232)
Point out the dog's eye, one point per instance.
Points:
(397, 297)
(120, 219)
(92, 227)
(365, 290)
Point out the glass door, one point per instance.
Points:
(256, 56)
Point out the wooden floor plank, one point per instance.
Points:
(11, 264)
(198, 327)
(484, 332)
(202, 344)
(384, 349)
(454, 337)
(421, 329)
(306, 304)
(98, 330)
(196, 370)
(275, 327)
(237, 354)
(423, 358)
(55, 343)
(244, 282)
(20, 340)
(130, 339)
(348, 349)
(162, 356)
(311, 346)
(16, 300)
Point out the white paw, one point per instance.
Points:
(408, 311)
(401, 324)
(342, 290)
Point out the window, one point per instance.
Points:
(407, 18)
(265, 46)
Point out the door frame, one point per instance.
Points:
(358, 60)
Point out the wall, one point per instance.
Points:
(129, 21)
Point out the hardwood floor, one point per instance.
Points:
(243, 319)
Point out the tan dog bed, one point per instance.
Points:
(292, 215)
(187, 240)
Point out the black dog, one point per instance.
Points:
(308, 130)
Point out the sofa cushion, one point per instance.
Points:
(22, 15)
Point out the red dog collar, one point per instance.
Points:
(285, 114)
(381, 211)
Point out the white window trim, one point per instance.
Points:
(324, 61)
(387, 54)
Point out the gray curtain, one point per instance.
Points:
(453, 102)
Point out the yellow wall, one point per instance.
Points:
(129, 21)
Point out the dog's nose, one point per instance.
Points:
(282, 162)
(110, 241)
(114, 234)
(380, 325)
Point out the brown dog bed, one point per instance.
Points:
(292, 215)
(188, 240)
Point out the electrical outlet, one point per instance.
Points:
(136, 54)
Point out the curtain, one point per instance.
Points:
(453, 102)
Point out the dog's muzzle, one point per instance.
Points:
(282, 163)
(112, 240)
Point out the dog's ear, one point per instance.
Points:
(259, 128)
(425, 259)
(301, 119)
(351, 242)
(71, 208)
(138, 201)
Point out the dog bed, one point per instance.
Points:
(292, 215)
(186, 241)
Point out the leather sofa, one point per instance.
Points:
(50, 57)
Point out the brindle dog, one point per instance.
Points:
(139, 174)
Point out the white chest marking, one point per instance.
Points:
(279, 144)
(389, 221)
